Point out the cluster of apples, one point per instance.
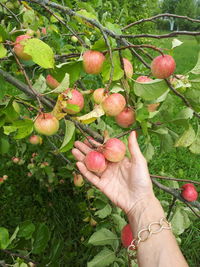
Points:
(113, 150)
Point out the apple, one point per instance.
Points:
(15, 159)
(35, 140)
(93, 61)
(46, 124)
(189, 192)
(163, 66)
(19, 47)
(114, 150)
(44, 31)
(125, 118)
(126, 236)
(78, 180)
(74, 98)
(113, 104)
(95, 161)
(143, 79)
(128, 68)
(52, 82)
(74, 39)
(99, 95)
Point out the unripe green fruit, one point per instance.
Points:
(74, 39)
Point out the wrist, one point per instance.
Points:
(144, 212)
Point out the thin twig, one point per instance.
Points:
(27, 259)
(162, 36)
(13, 14)
(159, 16)
(174, 179)
(194, 211)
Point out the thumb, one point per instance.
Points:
(134, 147)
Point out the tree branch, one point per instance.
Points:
(175, 193)
(172, 34)
(174, 179)
(27, 259)
(159, 16)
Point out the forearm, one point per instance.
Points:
(160, 249)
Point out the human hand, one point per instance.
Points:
(125, 183)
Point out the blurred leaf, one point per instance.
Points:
(26, 229)
(187, 138)
(148, 151)
(180, 221)
(4, 146)
(41, 53)
(195, 147)
(118, 72)
(63, 85)
(176, 42)
(4, 238)
(97, 112)
(116, 28)
(40, 84)
(103, 237)
(118, 221)
(103, 213)
(99, 45)
(69, 132)
(3, 34)
(3, 51)
(196, 69)
(41, 239)
(102, 259)
(151, 90)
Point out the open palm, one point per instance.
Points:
(125, 182)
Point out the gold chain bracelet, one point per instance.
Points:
(146, 233)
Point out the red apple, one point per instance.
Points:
(15, 159)
(125, 118)
(93, 61)
(126, 236)
(52, 82)
(73, 97)
(143, 79)
(114, 150)
(163, 66)
(113, 104)
(95, 162)
(128, 68)
(19, 47)
(46, 124)
(189, 192)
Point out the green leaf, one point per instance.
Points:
(148, 151)
(184, 114)
(104, 258)
(3, 34)
(40, 84)
(180, 221)
(116, 28)
(142, 114)
(26, 229)
(118, 72)
(25, 128)
(9, 129)
(195, 147)
(99, 45)
(63, 85)
(151, 90)
(103, 213)
(69, 132)
(196, 69)
(4, 146)
(4, 238)
(41, 53)
(187, 138)
(119, 222)
(3, 51)
(103, 237)
(14, 235)
(41, 239)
